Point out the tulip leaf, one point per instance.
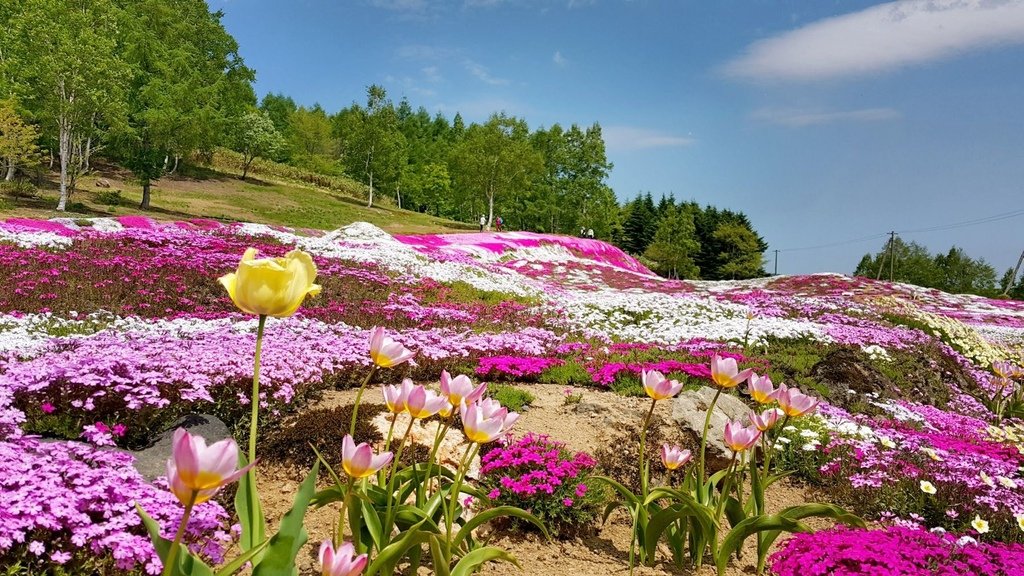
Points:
(437, 553)
(389, 557)
(236, 564)
(628, 496)
(609, 508)
(407, 515)
(497, 512)
(734, 539)
(704, 522)
(470, 562)
(250, 512)
(800, 512)
(372, 522)
(186, 563)
(284, 546)
(327, 496)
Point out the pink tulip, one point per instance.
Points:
(341, 562)
(725, 372)
(359, 461)
(1006, 369)
(395, 397)
(460, 388)
(760, 389)
(657, 386)
(795, 403)
(385, 352)
(195, 471)
(739, 438)
(765, 420)
(423, 403)
(673, 457)
(486, 420)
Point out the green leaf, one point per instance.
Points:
(704, 527)
(389, 557)
(236, 564)
(800, 512)
(279, 559)
(407, 515)
(441, 561)
(609, 508)
(187, 564)
(734, 511)
(372, 522)
(497, 512)
(622, 490)
(250, 511)
(734, 539)
(470, 562)
(327, 496)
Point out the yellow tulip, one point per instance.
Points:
(272, 286)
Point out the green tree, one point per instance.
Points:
(675, 244)
(18, 139)
(183, 63)
(310, 141)
(495, 162)
(373, 148)
(639, 225)
(255, 137)
(280, 109)
(741, 254)
(62, 58)
(961, 274)
(909, 262)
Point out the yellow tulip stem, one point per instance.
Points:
(172, 555)
(704, 439)
(254, 419)
(387, 446)
(359, 398)
(727, 488)
(339, 536)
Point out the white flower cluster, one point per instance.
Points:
(876, 352)
(35, 239)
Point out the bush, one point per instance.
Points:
(515, 399)
(109, 197)
(540, 475)
(18, 189)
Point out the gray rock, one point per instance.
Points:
(589, 409)
(152, 462)
(689, 410)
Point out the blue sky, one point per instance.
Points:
(823, 121)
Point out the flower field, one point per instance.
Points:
(112, 329)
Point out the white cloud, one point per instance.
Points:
(481, 72)
(400, 5)
(559, 60)
(423, 52)
(800, 118)
(432, 74)
(632, 138)
(882, 38)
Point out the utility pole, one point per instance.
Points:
(888, 252)
(1006, 289)
(776, 273)
(892, 255)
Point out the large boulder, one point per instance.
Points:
(848, 376)
(152, 462)
(689, 410)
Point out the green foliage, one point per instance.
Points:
(675, 244)
(18, 189)
(109, 197)
(570, 373)
(18, 138)
(953, 272)
(793, 447)
(372, 146)
(255, 137)
(511, 397)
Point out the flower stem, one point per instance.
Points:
(172, 555)
(643, 439)
(391, 477)
(704, 438)
(255, 401)
(442, 431)
(726, 489)
(359, 398)
(339, 535)
(453, 496)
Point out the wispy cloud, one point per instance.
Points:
(882, 38)
(799, 118)
(633, 138)
(424, 52)
(484, 75)
(407, 6)
(559, 60)
(431, 74)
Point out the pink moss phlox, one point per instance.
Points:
(895, 551)
(515, 366)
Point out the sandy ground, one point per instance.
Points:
(605, 552)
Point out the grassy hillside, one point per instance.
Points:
(272, 194)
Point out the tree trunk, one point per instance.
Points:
(10, 171)
(245, 165)
(175, 168)
(65, 156)
(144, 205)
(398, 194)
(370, 203)
(490, 208)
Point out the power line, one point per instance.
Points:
(937, 228)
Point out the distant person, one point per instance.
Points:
(583, 232)
(483, 222)
(590, 233)
(498, 222)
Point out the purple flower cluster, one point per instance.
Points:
(518, 367)
(895, 551)
(540, 475)
(66, 500)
